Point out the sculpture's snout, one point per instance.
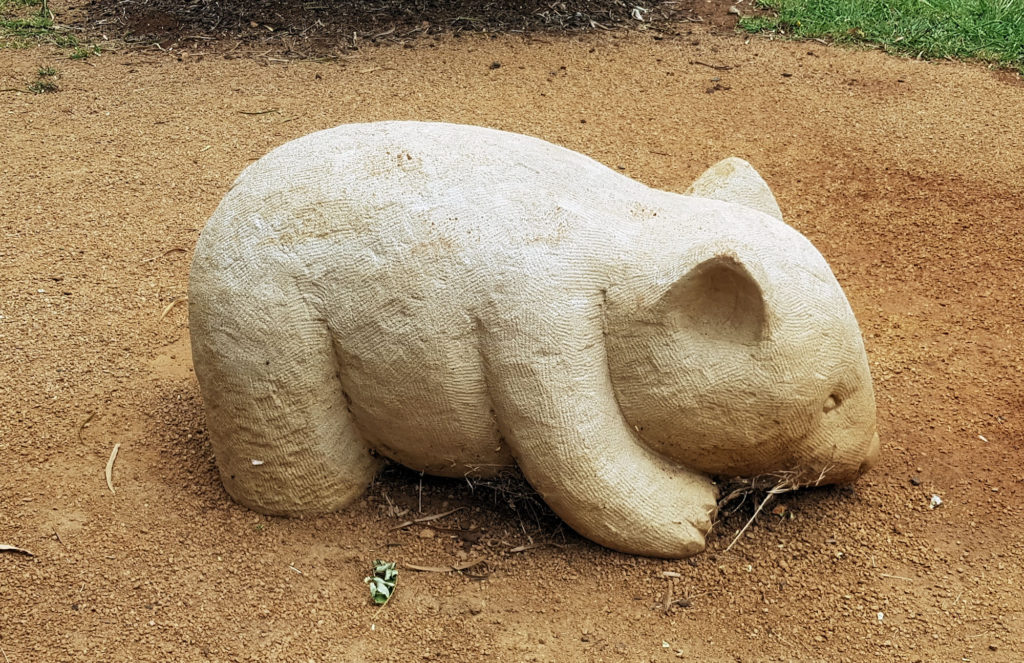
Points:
(871, 458)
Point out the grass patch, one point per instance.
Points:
(26, 23)
(84, 52)
(23, 22)
(986, 30)
(45, 82)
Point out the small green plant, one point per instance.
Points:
(65, 40)
(382, 582)
(42, 86)
(986, 30)
(45, 82)
(83, 52)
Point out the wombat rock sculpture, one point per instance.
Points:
(460, 299)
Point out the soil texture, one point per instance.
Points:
(907, 176)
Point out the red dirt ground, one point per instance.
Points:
(907, 175)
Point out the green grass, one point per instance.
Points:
(25, 23)
(84, 52)
(45, 82)
(987, 30)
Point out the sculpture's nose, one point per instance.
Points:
(871, 458)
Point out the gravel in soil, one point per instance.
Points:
(907, 175)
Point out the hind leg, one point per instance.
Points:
(555, 405)
(279, 424)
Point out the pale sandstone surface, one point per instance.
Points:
(454, 298)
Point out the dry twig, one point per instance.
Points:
(82, 425)
(167, 309)
(427, 519)
(446, 569)
(175, 249)
(109, 472)
(716, 67)
(6, 547)
(781, 482)
(888, 575)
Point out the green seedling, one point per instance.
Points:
(84, 52)
(45, 81)
(382, 582)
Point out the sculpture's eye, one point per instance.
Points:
(831, 403)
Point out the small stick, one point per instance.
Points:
(886, 575)
(666, 603)
(783, 486)
(167, 252)
(262, 112)
(59, 540)
(716, 67)
(81, 426)
(7, 660)
(110, 468)
(446, 569)
(427, 519)
(751, 521)
(167, 309)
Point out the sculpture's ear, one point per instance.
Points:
(718, 299)
(733, 180)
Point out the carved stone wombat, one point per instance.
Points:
(460, 299)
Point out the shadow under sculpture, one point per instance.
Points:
(460, 299)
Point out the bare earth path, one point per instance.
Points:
(908, 176)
